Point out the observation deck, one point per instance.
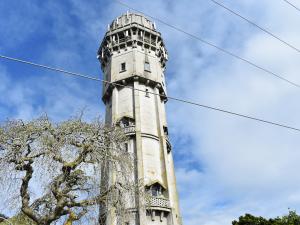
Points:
(131, 30)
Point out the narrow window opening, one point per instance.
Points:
(124, 122)
(147, 93)
(156, 190)
(147, 67)
(126, 147)
(123, 67)
(166, 130)
(168, 148)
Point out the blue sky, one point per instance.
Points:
(225, 166)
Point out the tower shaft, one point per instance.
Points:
(133, 54)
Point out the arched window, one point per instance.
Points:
(156, 190)
(126, 122)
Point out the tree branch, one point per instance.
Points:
(26, 209)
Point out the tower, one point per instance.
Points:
(133, 54)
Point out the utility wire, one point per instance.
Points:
(291, 4)
(256, 25)
(213, 45)
(140, 90)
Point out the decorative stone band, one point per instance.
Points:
(108, 87)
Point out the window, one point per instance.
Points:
(124, 122)
(156, 190)
(166, 130)
(126, 147)
(123, 67)
(168, 148)
(147, 67)
(147, 93)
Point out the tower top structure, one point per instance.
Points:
(131, 30)
(132, 18)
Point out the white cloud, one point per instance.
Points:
(250, 166)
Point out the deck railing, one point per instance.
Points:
(129, 129)
(158, 202)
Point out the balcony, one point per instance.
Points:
(158, 202)
(169, 146)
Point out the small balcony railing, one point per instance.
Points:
(147, 40)
(129, 129)
(158, 202)
(122, 40)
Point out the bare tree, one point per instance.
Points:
(63, 162)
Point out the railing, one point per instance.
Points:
(130, 129)
(147, 40)
(158, 202)
(121, 40)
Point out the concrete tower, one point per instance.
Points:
(133, 53)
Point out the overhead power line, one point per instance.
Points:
(140, 90)
(256, 25)
(291, 4)
(213, 45)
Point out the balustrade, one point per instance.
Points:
(158, 202)
(129, 129)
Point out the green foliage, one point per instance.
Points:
(291, 219)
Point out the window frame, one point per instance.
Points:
(148, 67)
(122, 69)
(147, 93)
(156, 190)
